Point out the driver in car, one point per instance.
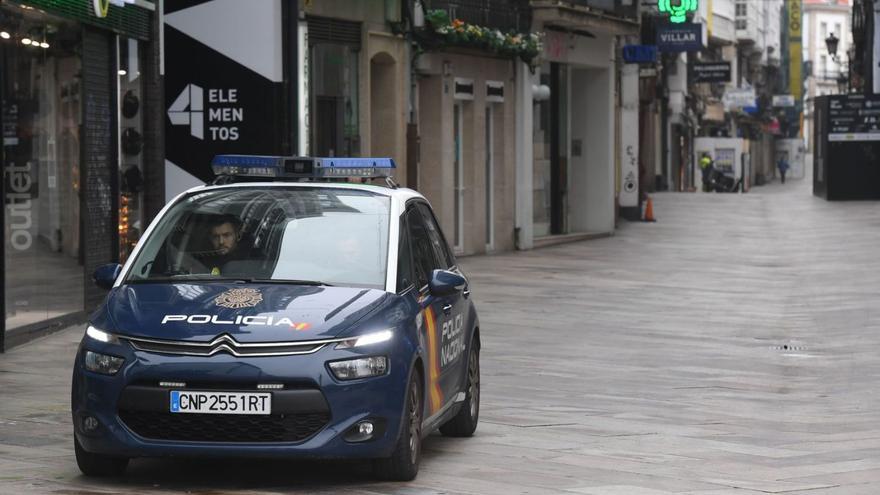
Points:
(225, 239)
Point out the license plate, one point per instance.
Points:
(185, 401)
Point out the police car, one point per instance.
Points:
(281, 311)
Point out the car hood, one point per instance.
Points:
(247, 312)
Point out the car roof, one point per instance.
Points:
(402, 194)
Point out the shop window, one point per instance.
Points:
(40, 92)
(131, 142)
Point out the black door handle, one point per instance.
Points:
(447, 308)
(466, 292)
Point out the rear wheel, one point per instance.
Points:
(403, 465)
(98, 464)
(464, 423)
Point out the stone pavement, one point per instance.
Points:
(730, 348)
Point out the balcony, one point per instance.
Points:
(596, 16)
(504, 15)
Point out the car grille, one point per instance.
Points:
(293, 427)
(225, 343)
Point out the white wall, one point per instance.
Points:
(592, 110)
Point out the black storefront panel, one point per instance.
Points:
(846, 164)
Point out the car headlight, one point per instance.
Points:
(101, 336)
(103, 363)
(365, 367)
(366, 339)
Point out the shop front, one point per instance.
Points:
(573, 138)
(75, 166)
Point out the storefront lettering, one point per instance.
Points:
(223, 109)
(19, 199)
(224, 114)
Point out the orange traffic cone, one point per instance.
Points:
(649, 211)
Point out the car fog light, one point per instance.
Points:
(102, 363)
(351, 369)
(365, 428)
(90, 424)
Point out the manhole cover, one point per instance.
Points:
(789, 347)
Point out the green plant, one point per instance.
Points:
(456, 32)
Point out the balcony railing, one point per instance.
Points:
(505, 15)
(618, 8)
(830, 75)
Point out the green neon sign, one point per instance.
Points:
(677, 9)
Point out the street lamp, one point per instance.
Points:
(831, 44)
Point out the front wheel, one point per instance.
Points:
(464, 423)
(403, 465)
(98, 465)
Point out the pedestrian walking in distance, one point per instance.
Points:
(782, 164)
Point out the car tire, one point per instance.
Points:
(98, 465)
(464, 423)
(403, 465)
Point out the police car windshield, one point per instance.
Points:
(308, 235)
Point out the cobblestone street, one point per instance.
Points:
(729, 348)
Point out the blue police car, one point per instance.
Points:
(283, 310)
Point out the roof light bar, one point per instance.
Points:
(302, 167)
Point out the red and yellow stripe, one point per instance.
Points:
(435, 395)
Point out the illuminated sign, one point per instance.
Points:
(677, 9)
(101, 7)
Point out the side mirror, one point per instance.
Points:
(105, 275)
(444, 282)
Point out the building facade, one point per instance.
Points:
(79, 88)
(830, 73)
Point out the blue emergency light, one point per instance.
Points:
(300, 167)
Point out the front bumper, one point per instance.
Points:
(313, 414)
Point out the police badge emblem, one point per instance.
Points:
(239, 298)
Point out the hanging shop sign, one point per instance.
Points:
(795, 47)
(711, 72)
(677, 10)
(783, 101)
(739, 98)
(680, 37)
(639, 54)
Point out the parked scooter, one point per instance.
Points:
(720, 182)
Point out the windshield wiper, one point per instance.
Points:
(317, 283)
(201, 277)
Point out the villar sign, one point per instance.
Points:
(680, 38)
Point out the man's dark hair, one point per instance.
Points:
(218, 220)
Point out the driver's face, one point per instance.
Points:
(224, 238)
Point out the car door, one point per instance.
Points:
(454, 333)
(424, 261)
